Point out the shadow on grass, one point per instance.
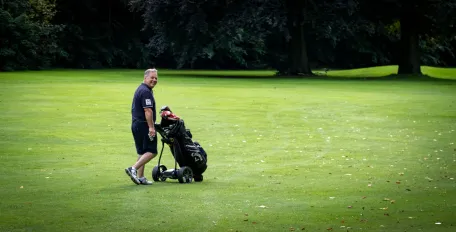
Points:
(391, 77)
(171, 183)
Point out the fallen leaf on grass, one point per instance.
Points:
(398, 182)
(292, 229)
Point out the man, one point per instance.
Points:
(143, 114)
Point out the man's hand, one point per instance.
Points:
(151, 133)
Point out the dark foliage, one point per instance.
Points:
(292, 37)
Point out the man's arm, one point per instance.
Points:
(146, 101)
(150, 121)
(149, 118)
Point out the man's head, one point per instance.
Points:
(151, 77)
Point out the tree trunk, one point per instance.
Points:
(409, 45)
(298, 61)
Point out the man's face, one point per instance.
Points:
(151, 80)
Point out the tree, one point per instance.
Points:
(101, 33)
(419, 24)
(221, 32)
(204, 33)
(410, 21)
(297, 13)
(420, 20)
(29, 40)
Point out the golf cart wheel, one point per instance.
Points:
(185, 175)
(157, 172)
(198, 178)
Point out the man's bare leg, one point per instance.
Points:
(140, 170)
(142, 160)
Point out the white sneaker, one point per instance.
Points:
(144, 181)
(131, 172)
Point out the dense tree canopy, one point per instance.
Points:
(292, 37)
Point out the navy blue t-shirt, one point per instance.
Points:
(143, 98)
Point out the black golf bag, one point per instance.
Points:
(186, 152)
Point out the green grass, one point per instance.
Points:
(318, 154)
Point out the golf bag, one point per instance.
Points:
(186, 152)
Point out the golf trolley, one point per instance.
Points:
(188, 154)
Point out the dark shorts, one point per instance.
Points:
(143, 144)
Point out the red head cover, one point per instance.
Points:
(168, 115)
